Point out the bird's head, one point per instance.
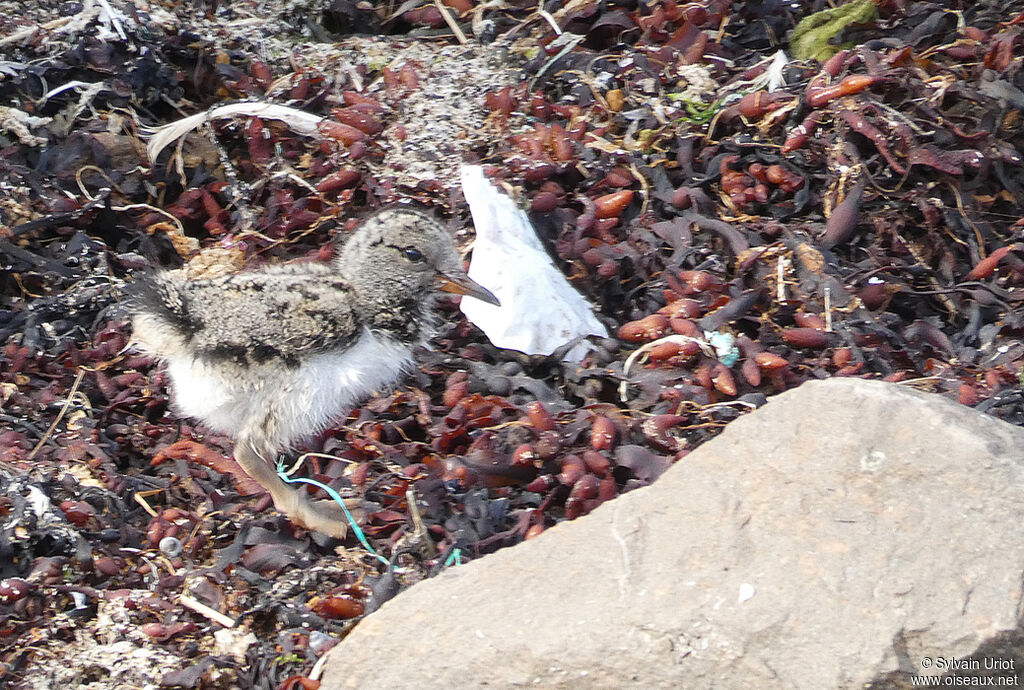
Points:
(404, 252)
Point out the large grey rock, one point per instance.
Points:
(847, 533)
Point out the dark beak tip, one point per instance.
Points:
(490, 299)
(464, 285)
(483, 294)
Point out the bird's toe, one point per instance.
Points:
(328, 517)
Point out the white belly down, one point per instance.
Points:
(286, 405)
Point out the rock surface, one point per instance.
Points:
(848, 534)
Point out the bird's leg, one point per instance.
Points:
(323, 516)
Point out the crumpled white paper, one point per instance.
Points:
(539, 310)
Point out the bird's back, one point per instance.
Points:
(275, 316)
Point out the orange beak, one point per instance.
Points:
(464, 285)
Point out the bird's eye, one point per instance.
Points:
(413, 254)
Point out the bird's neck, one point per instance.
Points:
(403, 318)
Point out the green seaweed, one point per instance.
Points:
(697, 111)
(810, 39)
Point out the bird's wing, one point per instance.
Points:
(254, 318)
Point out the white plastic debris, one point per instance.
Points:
(539, 310)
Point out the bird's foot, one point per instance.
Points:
(325, 516)
(322, 516)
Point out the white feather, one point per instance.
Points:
(299, 120)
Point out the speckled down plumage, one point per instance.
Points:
(277, 354)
